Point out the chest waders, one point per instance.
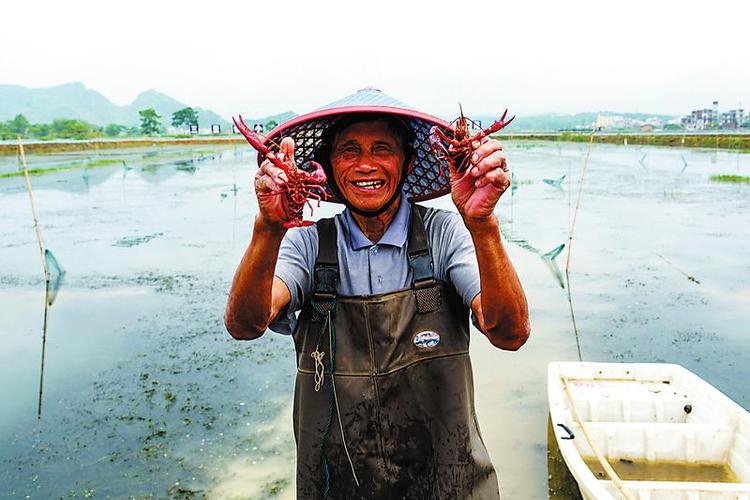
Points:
(384, 396)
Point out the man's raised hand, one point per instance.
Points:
(270, 185)
(477, 191)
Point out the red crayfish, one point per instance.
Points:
(300, 185)
(457, 153)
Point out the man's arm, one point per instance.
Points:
(500, 307)
(257, 296)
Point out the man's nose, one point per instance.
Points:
(365, 164)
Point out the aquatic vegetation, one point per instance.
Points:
(41, 170)
(59, 147)
(735, 179)
(37, 171)
(275, 487)
(131, 241)
(736, 142)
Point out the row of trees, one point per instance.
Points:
(61, 128)
(181, 119)
(65, 128)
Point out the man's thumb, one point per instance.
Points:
(287, 147)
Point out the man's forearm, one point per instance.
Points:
(505, 312)
(250, 298)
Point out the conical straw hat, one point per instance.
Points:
(424, 182)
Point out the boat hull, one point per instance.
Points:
(652, 418)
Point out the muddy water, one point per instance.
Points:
(629, 470)
(145, 394)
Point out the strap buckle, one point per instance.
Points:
(324, 284)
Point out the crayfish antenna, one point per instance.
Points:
(502, 119)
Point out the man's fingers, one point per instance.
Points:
(498, 178)
(493, 161)
(278, 175)
(265, 184)
(484, 150)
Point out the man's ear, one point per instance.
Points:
(412, 159)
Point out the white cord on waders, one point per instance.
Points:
(603, 461)
(320, 368)
(336, 402)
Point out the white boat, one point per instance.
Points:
(666, 433)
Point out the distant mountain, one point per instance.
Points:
(165, 106)
(75, 100)
(278, 118)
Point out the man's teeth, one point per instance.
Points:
(369, 184)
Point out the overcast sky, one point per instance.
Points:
(260, 58)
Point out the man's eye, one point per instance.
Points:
(381, 149)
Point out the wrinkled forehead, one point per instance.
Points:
(369, 131)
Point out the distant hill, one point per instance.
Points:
(278, 118)
(75, 100)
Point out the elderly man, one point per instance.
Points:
(384, 404)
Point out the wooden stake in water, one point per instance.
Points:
(46, 273)
(570, 245)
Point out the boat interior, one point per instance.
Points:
(667, 433)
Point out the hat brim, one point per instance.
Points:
(426, 180)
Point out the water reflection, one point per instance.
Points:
(144, 389)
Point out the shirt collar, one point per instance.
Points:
(395, 234)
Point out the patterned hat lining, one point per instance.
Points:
(424, 182)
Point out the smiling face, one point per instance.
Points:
(367, 158)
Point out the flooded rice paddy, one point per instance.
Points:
(145, 395)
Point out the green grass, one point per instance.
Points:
(37, 171)
(735, 179)
(102, 162)
(733, 142)
(41, 171)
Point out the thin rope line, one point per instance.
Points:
(570, 245)
(336, 401)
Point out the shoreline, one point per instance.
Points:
(724, 141)
(51, 147)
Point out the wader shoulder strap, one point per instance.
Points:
(326, 274)
(420, 261)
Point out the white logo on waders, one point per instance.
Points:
(426, 340)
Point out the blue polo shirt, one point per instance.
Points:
(367, 268)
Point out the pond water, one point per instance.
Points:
(145, 394)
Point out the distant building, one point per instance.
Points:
(647, 127)
(708, 118)
(733, 119)
(701, 119)
(606, 122)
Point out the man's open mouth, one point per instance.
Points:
(369, 185)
